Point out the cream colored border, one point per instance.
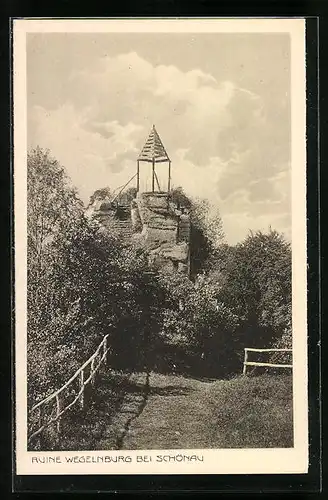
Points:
(245, 461)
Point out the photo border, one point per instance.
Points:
(312, 204)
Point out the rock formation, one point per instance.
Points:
(150, 220)
(154, 224)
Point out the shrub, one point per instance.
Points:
(256, 286)
(82, 284)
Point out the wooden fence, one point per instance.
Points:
(52, 408)
(270, 365)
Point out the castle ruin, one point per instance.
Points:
(151, 220)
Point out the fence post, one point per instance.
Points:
(92, 373)
(245, 361)
(81, 388)
(40, 416)
(41, 440)
(58, 413)
(105, 351)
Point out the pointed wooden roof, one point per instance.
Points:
(153, 149)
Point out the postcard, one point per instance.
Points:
(160, 246)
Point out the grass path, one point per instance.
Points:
(175, 415)
(188, 413)
(137, 411)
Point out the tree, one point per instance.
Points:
(100, 195)
(257, 286)
(197, 326)
(207, 234)
(106, 194)
(131, 193)
(53, 209)
(179, 198)
(243, 302)
(206, 216)
(82, 284)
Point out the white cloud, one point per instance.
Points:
(88, 156)
(222, 143)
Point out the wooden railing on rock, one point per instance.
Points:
(269, 365)
(52, 408)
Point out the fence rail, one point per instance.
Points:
(56, 399)
(256, 363)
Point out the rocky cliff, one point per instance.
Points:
(153, 223)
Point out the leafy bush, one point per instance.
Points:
(197, 324)
(85, 282)
(243, 300)
(82, 284)
(256, 285)
(206, 229)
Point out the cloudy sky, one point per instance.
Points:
(220, 102)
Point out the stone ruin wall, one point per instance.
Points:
(165, 231)
(154, 224)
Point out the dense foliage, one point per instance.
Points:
(244, 300)
(82, 284)
(240, 298)
(256, 283)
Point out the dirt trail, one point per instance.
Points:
(135, 412)
(172, 414)
(175, 412)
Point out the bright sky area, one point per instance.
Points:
(220, 103)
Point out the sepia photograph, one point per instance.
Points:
(160, 245)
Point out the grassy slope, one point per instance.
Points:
(177, 412)
(187, 413)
